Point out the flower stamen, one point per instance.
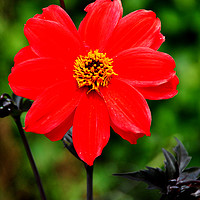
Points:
(93, 70)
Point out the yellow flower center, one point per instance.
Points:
(93, 70)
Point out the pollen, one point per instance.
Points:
(93, 70)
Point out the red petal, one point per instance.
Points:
(158, 40)
(91, 127)
(51, 39)
(59, 132)
(144, 66)
(138, 29)
(30, 78)
(24, 54)
(100, 21)
(57, 14)
(163, 91)
(128, 110)
(52, 107)
(129, 136)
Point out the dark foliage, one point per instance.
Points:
(13, 106)
(68, 143)
(175, 182)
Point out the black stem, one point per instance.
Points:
(89, 171)
(62, 4)
(29, 154)
(188, 182)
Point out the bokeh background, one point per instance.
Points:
(62, 175)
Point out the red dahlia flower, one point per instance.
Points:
(93, 78)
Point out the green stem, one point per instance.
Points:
(29, 154)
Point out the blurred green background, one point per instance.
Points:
(62, 175)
